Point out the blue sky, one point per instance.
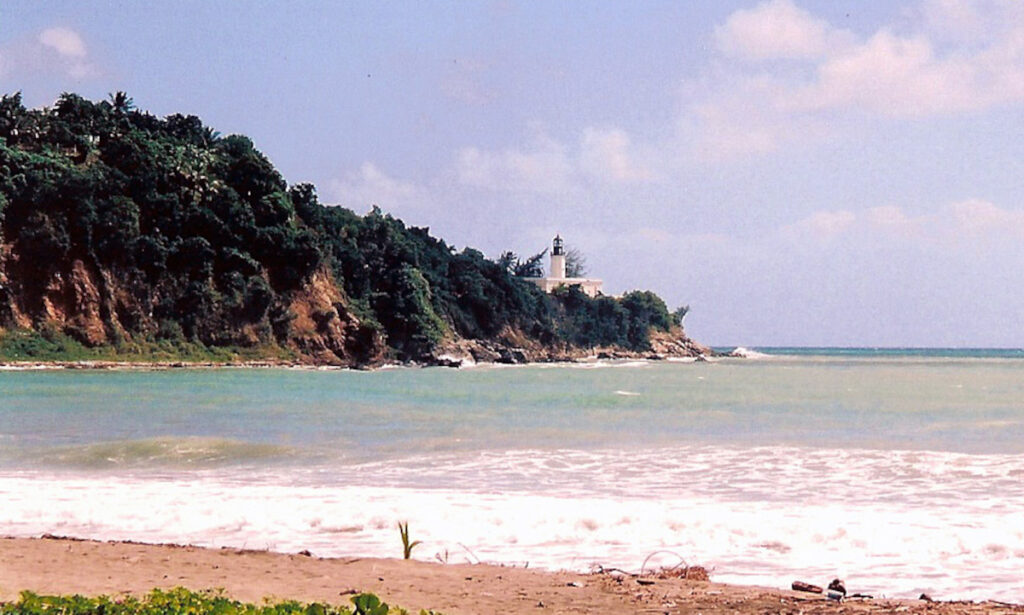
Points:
(799, 173)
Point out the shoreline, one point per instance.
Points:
(101, 365)
(117, 568)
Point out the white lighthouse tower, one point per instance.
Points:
(558, 259)
(557, 277)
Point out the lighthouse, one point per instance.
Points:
(557, 275)
(558, 258)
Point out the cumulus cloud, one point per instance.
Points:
(547, 166)
(57, 51)
(905, 76)
(976, 219)
(64, 41)
(731, 117)
(607, 153)
(775, 30)
(961, 57)
(972, 221)
(371, 186)
(821, 225)
(891, 219)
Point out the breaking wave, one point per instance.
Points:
(162, 452)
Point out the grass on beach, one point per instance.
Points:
(24, 345)
(181, 600)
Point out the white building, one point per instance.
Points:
(556, 275)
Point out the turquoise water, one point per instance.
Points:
(898, 353)
(942, 404)
(902, 470)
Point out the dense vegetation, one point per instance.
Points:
(198, 242)
(180, 600)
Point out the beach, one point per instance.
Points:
(65, 566)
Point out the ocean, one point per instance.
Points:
(901, 471)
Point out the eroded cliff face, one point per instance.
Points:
(98, 307)
(326, 331)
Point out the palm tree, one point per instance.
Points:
(121, 102)
(210, 136)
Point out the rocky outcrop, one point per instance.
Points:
(514, 347)
(675, 343)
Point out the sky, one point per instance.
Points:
(811, 173)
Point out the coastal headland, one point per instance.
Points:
(118, 568)
(127, 237)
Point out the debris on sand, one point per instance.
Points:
(800, 586)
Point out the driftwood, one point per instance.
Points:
(800, 586)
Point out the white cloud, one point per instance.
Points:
(548, 166)
(606, 154)
(957, 57)
(821, 225)
(64, 41)
(371, 186)
(904, 76)
(56, 51)
(973, 221)
(975, 218)
(544, 168)
(777, 29)
(732, 117)
(976, 222)
(891, 219)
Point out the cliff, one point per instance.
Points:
(127, 236)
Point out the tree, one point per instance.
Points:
(646, 311)
(12, 115)
(508, 260)
(680, 314)
(532, 267)
(121, 103)
(575, 264)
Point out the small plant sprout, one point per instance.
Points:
(407, 547)
(368, 604)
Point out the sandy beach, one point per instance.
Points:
(69, 566)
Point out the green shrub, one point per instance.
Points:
(181, 600)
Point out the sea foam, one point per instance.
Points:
(893, 523)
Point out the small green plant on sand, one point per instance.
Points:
(181, 600)
(368, 604)
(407, 547)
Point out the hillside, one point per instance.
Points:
(130, 237)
